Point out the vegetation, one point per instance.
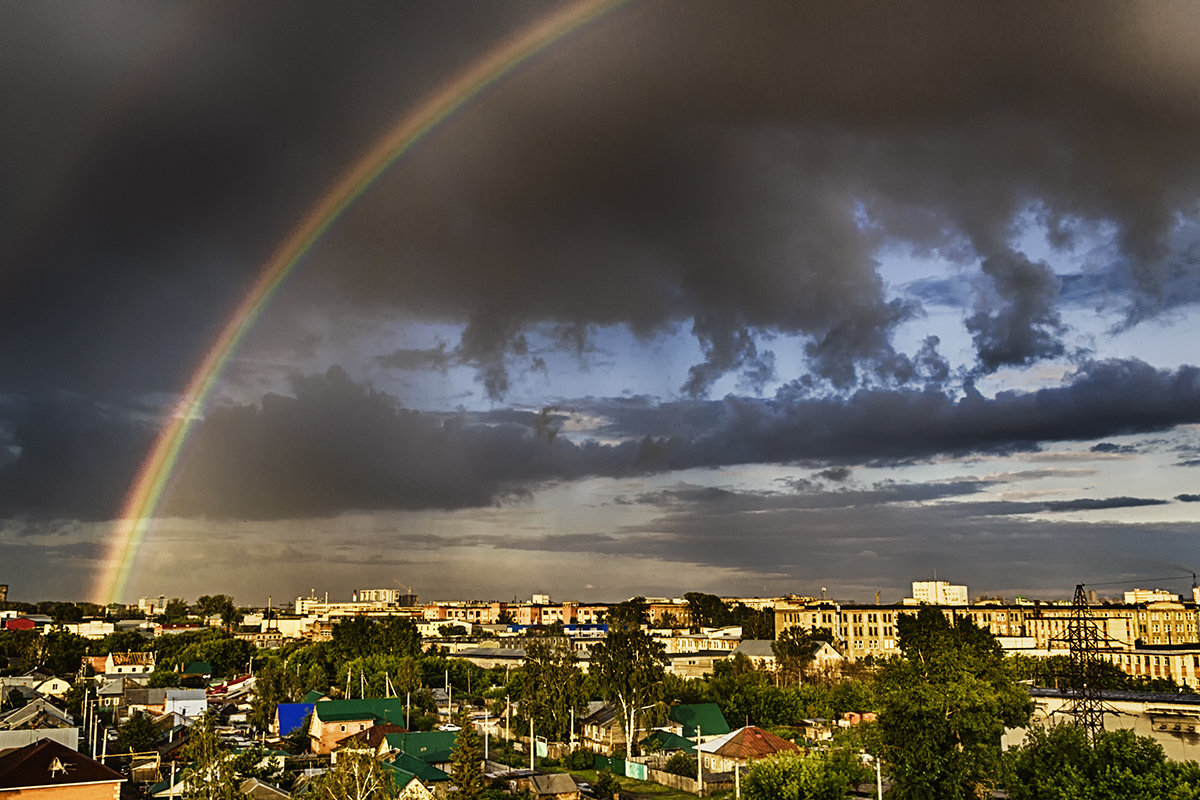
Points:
(628, 667)
(551, 688)
(944, 703)
(817, 776)
(466, 761)
(1058, 763)
(136, 734)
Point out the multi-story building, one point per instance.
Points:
(939, 593)
(863, 630)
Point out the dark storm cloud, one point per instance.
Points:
(1099, 504)
(731, 169)
(855, 550)
(738, 177)
(1188, 498)
(1015, 322)
(336, 445)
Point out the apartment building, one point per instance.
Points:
(870, 630)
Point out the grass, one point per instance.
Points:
(657, 790)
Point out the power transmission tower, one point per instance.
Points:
(1083, 638)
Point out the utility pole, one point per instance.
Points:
(699, 765)
(532, 743)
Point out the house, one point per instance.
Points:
(686, 718)
(760, 652)
(404, 765)
(602, 731)
(372, 737)
(740, 747)
(111, 693)
(255, 789)
(50, 770)
(334, 720)
(409, 786)
(34, 721)
(431, 747)
(557, 786)
(52, 687)
(185, 702)
(128, 664)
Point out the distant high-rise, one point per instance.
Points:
(939, 593)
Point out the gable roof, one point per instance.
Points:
(707, 715)
(313, 696)
(254, 788)
(38, 713)
(667, 742)
(554, 783)
(756, 648)
(752, 742)
(432, 747)
(373, 736)
(405, 764)
(390, 709)
(132, 659)
(48, 763)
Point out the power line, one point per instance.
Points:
(1191, 577)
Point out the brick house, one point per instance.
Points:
(47, 770)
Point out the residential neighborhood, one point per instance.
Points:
(162, 697)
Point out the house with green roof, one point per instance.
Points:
(334, 720)
(404, 764)
(685, 718)
(431, 747)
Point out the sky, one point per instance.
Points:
(746, 298)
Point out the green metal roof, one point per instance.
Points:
(312, 696)
(429, 746)
(668, 742)
(197, 668)
(389, 709)
(707, 715)
(404, 764)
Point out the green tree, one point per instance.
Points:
(817, 776)
(633, 613)
(945, 701)
(176, 610)
(1058, 763)
(358, 775)
(161, 678)
(707, 610)
(628, 668)
(137, 734)
(211, 775)
(466, 760)
(551, 688)
(795, 650)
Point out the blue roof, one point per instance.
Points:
(291, 716)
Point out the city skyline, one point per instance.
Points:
(743, 299)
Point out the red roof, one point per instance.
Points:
(752, 742)
(20, 624)
(48, 763)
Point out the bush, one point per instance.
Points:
(580, 758)
(681, 764)
(606, 784)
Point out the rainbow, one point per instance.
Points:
(146, 492)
